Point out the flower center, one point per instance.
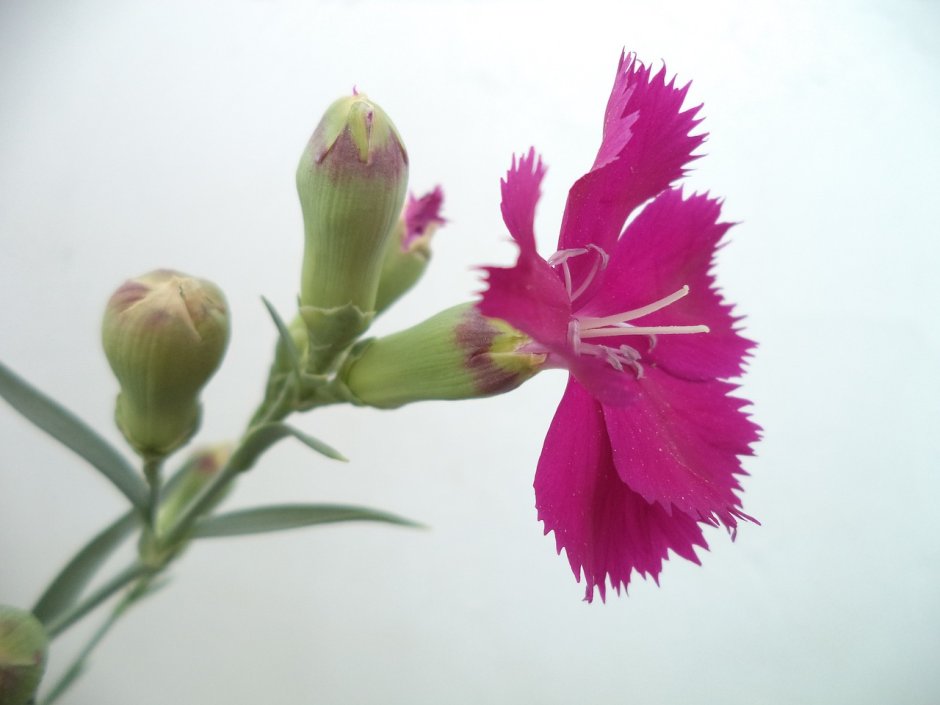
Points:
(582, 328)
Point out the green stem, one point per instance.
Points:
(75, 668)
(118, 582)
(282, 406)
(152, 473)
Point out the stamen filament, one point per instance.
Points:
(641, 330)
(574, 334)
(637, 312)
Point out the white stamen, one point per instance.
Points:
(625, 356)
(617, 325)
(574, 335)
(641, 330)
(637, 312)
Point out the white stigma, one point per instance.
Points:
(561, 258)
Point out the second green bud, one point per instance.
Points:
(351, 180)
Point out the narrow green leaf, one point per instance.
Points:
(77, 669)
(286, 340)
(80, 610)
(263, 437)
(289, 516)
(72, 432)
(68, 585)
(316, 444)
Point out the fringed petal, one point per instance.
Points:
(646, 146)
(606, 529)
(529, 297)
(521, 190)
(678, 445)
(671, 244)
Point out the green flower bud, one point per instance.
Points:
(409, 249)
(457, 354)
(22, 655)
(201, 467)
(351, 180)
(164, 334)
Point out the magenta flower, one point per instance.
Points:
(644, 447)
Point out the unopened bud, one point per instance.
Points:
(457, 354)
(22, 655)
(351, 180)
(200, 469)
(164, 335)
(409, 249)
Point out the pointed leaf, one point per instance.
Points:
(68, 585)
(289, 516)
(315, 444)
(77, 669)
(72, 432)
(286, 340)
(263, 437)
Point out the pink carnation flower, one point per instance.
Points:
(644, 447)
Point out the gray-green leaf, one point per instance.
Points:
(72, 432)
(68, 585)
(263, 437)
(286, 340)
(289, 516)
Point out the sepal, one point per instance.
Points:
(330, 331)
(457, 354)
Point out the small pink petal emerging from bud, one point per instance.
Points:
(409, 250)
(422, 215)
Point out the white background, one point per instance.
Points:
(135, 135)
